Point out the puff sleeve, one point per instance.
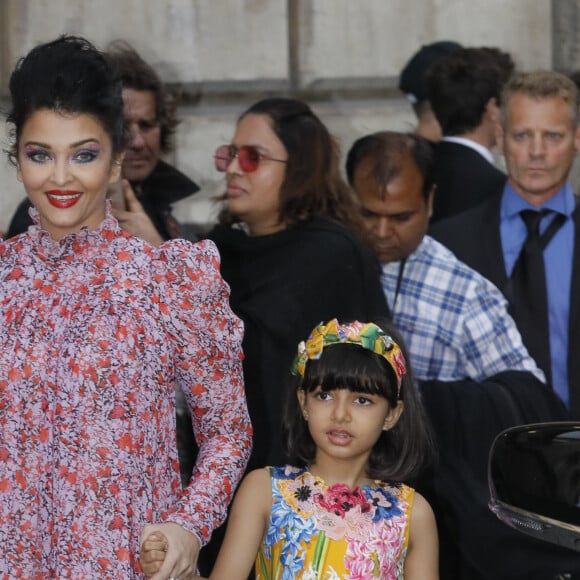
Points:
(207, 338)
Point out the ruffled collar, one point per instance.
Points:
(84, 243)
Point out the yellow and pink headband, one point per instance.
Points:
(367, 335)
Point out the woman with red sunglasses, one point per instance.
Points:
(290, 249)
(291, 252)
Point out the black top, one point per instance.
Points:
(164, 186)
(282, 286)
(465, 417)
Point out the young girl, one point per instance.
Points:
(356, 428)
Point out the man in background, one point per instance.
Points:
(412, 84)
(539, 138)
(454, 322)
(464, 90)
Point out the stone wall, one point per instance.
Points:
(343, 56)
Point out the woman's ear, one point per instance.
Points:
(117, 167)
(393, 416)
(302, 402)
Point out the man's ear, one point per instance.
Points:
(430, 198)
(492, 110)
(499, 137)
(393, 416)
(577, 138)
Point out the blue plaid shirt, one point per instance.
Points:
(454, 321)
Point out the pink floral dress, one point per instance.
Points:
(317, 532)
(95, 331)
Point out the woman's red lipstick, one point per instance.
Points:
(63, 198)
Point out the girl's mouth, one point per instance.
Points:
(339, 437)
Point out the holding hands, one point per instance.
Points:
(168, 551)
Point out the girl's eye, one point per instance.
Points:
(322, 395)
(85, 156)
(363, 401)
(38, 156)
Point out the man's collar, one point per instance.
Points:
(483, 151)
(563, 201)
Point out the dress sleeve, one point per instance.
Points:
(208, 359)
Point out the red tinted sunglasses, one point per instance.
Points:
(249, 157)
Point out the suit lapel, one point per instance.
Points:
(494, 251)
(485, 241)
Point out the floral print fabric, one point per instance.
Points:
(317, 532)
(95, 332)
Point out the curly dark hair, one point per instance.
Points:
(137, 74)
(67, 75)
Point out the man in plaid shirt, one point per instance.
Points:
(454, 321)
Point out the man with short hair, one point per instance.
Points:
(455, 322)
(150, 185)
(464, 90)
(538, 137)
(412, 84)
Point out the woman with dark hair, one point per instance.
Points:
(96, 328)
(290, 249)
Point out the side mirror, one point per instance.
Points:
(534, 481)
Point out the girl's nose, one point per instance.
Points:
(340, 410)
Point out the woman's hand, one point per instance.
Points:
(168, 551)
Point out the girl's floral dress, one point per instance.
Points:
(317, 532)
(95, 331)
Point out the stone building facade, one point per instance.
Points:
(342, 56)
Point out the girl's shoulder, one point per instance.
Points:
(257, 478)
(255, 487)
(285, 471)
(421, 509)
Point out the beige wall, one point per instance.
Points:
(343, 56)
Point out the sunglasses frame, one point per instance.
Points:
(249, 157)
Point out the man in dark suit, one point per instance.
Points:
(464, 90)
(539, 138)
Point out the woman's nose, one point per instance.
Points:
(60, 173)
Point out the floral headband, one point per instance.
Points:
(368, 335)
